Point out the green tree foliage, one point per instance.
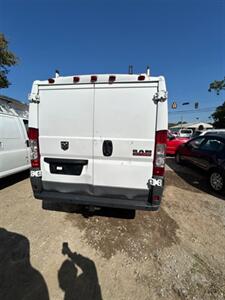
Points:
(219, 116)
(217, 85)
(7, 59)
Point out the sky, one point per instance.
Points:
(181, 40)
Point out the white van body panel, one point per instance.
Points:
(88, 116)
(119, 118)
(60, 119)
(14, 153)
(85, 118)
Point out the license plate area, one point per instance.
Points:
(66, 166)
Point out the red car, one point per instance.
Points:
(173, 143)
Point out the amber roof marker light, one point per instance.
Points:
(112, 78)
(76, 79)
(94, 78)
(141, 77)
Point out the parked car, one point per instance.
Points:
(185, 133)
(208, 153)
(173, 143)
(213, 131)
(196, 133)
(208, 132)
(14, 147)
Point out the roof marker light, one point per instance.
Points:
(141, 77)
(76, 79)
(112, 78)
(93, 78)
(51, 80)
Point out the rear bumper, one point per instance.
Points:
(94, 201)
(97, 196)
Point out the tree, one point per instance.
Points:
(7, 59)
(217, 85)
(219, 116)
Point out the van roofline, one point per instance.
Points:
(101, 78)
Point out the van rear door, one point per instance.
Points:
(124, 136)
(66, 133)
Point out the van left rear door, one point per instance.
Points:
(66, 134)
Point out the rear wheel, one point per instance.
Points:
(178, 158)
(216, 181)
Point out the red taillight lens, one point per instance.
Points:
(34, 147)
(160, 153)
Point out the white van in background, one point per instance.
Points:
(14, 147)
(185, 133)
(99, 140)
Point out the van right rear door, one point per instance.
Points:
(124, 136)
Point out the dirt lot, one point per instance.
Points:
(176, 253)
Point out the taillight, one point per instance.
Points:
(160, 153)
(34, 147)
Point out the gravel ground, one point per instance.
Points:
(176, 253)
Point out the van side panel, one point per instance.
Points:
(13, 149)
(126, 116)
(66, 115)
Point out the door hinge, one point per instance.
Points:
(34, 98)
(160, 96)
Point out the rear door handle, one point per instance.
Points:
(107, 148)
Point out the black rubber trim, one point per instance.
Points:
(82, 162)
(94, 201)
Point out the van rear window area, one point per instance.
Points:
(25, 122)
(10, 128)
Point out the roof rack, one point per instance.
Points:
(7, 110)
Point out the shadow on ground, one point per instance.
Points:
(12, 179)
(83, 286)
(192, 178)
(87, 213)
(18, 279)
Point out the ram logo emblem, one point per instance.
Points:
(142, 152)
(64, 145)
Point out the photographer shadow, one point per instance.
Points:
(84, 286)
(18, 279)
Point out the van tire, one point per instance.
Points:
(216, 181)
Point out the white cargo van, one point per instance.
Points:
(99, 140)
(14, 147)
